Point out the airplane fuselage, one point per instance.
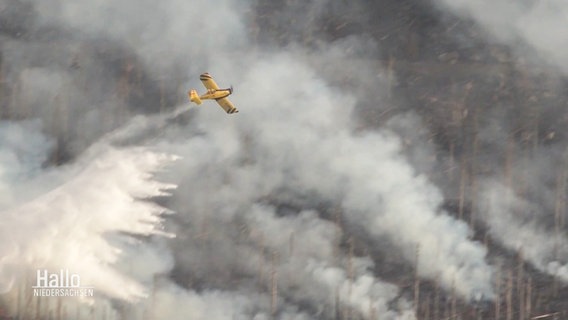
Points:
(215, 94)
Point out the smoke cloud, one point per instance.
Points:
(23, 151)
(506, 213)
(521, 205)
(257, 193)
(67, 226)
(295, 143)
(533, 25)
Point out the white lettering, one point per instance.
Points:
(75, 280)
(60, 284)
(41, 278)
(53, 280)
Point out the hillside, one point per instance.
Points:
(465, 129)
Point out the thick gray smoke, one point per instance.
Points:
(521, 206)
(537, 25)
(509, 216)
(295, 143)
(23, 151)
(255, 231)
(166, 35)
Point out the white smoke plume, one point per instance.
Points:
(524, 220)
(296, 140)
(536, 25)
(76, 225)
(166, 35)
(506, 214)
(23, 150)
(175, 302)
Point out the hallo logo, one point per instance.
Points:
(60, 284)
(63, 279)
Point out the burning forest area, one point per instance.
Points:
(392, 159)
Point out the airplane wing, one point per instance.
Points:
(208, 81)
(227, 105)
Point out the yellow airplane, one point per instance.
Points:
(213, 92)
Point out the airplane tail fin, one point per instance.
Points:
(194, 97)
